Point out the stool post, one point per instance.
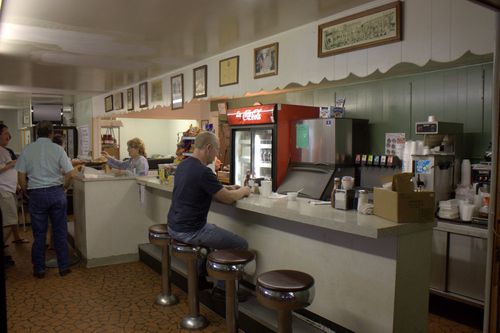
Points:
(231, 306)
(194, 307)
(284, 321)
(166, 297)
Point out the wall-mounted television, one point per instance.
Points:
(50, 112)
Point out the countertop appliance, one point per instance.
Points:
(260, 137)
(439, 170)
(322, 149)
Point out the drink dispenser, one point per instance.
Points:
(439, 167)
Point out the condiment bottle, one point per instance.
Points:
(336, 186)
(362, 199)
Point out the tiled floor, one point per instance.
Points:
(117, 298)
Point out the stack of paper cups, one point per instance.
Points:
(407, 160)
(466, 172)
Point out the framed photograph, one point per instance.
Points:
(229, 71)
(143, 95)
(177, 91)
(265, 59)
(200, 81)
(156, 91)
(222, 107)
(130, 99)
(376, 26)
(118, 101)
(108, 103)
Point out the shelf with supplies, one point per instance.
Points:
(265, 146)
(265, 165)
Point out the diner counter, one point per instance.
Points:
(371, 275)
(323, 216)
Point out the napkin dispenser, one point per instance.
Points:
(344, 199)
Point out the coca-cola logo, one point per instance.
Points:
(248, 115)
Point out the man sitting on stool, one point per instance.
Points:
(195, 185)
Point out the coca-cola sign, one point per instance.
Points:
(260, 114)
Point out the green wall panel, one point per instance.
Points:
(393, 105)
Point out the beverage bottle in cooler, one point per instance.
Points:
(336, 186)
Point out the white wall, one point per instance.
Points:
(433, 30)
(159, 135)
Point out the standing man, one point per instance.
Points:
(42, 162)
(8, 189)
(195, 186)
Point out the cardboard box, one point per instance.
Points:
(404, 207)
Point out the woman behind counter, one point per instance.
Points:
(137, 165)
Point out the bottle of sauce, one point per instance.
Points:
(336, 186)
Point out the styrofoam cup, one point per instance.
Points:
(266, 188)
(466, 210)
(292, 196)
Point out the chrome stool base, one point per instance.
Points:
(166, 300)
(194, 322)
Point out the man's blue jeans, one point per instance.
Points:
(213, 237)
(44, 203)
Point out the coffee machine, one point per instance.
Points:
(437, 169)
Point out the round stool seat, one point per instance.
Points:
(228, 264)
(158, 234)
(285, 289)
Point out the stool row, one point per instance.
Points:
(280, 290)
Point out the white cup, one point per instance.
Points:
(347, 182)
(292, 196)
(466, 210)
(431, 119)
(266, 188)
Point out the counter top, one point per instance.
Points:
(102, 177)
(322, 216)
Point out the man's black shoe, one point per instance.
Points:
(65, 272)
(39, 275)
(203, 284)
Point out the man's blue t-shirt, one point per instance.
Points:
(195, 184)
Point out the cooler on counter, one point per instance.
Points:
(260, 140)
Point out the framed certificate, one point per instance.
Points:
(229, 71)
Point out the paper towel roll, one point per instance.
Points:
(466, 172)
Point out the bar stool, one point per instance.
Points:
(285, 291)
(228, 265)
(158, 234)
(190, 254)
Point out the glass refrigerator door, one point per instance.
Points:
(263, 153)
(242, 155)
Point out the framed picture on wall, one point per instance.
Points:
(200, 82)
(265, 60)
(108, 103)
(118, 101)
(229, 71)
(376, 26)
(156, 91)
(177, 91)
(143, 95)
(130, 99)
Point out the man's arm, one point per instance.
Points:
(228, 196)
(68, 177)
(23, 181)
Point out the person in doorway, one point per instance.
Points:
(195, 186)
(136, 165)
(39, 172)
(8, 189)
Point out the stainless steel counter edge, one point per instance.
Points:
(462, 229)
(103, 178)
(321, 216)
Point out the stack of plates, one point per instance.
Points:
(448, 209)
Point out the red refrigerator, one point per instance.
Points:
(260, 140)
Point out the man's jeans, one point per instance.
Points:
(213, 237)
(44, 203)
